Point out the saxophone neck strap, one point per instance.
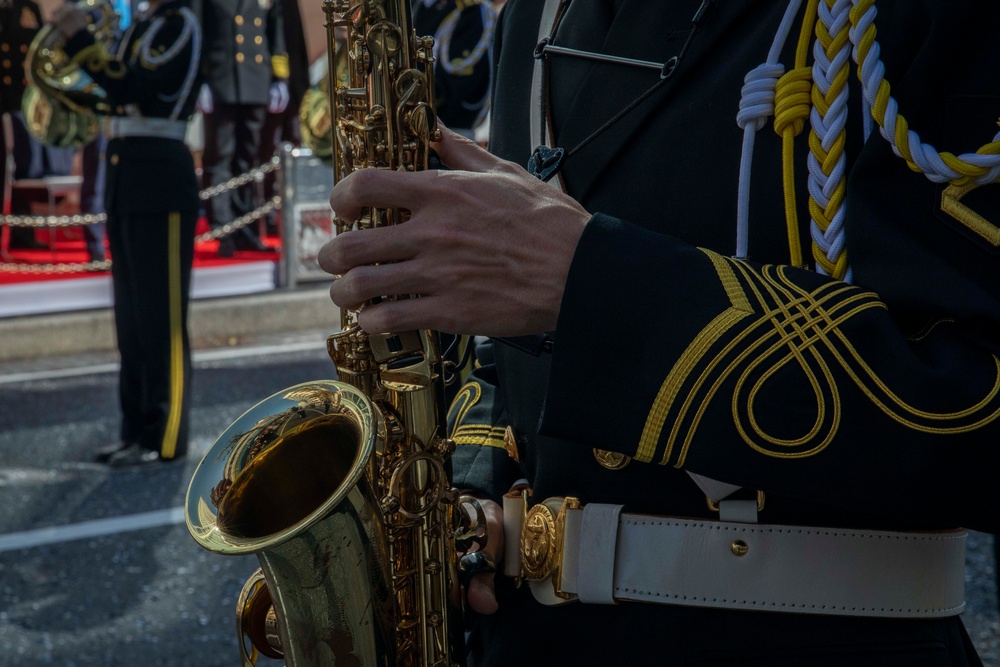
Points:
(545, 161)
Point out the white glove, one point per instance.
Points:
(204, 103)
(279, 97)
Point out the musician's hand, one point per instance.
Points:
(481, 595)
(69, 19)
(487, 247)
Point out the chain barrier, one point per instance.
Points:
(58, 221)
(242, 221)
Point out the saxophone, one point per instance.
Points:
(341, 488)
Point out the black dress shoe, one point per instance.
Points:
(132, 456)
(102, 454)
(226, 247)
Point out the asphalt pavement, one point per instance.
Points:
(96, 566)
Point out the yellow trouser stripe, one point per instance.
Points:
(169, 445)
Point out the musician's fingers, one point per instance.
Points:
(379, 188)
(404, 315)
(358, 248)
(481, 594)
(460, 153)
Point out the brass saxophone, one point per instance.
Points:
(341, 488)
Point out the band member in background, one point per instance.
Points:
(463, 68)
(246, 73)
(777, 398)
(283, 126)
(20, 21)
(152, 204)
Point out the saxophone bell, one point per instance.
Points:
(287, 481)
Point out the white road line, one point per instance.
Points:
(199, 356)
(86, 529)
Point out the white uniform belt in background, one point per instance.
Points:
(163, 128)
(599, 554)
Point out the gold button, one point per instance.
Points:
(6, 80)
(114, 159)
(24, 48)
(739, 548)
(239, 20)
(239, 39)
(611, 460)
(510, 443)
(258, 40)
(259, 58)
(239, 57)
(5, 47)
(257, 22)
(6, 64)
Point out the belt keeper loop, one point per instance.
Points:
(514, 502)
(738, 511)
(598, 546)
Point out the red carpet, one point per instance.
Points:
(34, 291)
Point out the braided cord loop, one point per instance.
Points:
(827, 160)
(844, 31)
(757, 102)
(793, 96)
(980, 167)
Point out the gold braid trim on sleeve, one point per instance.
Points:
(480, 434)
(789, 329)
(279, 65)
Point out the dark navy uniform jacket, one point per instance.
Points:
(244, 48)
(873, 404)
(157, 87)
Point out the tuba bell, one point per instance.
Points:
(62, 103)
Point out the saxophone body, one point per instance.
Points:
(341, 488)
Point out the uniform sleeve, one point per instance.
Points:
(485, 458)
(141, 75)
(783, 380)
(276, 40)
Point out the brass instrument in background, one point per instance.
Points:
(341, 488)
(62, 103)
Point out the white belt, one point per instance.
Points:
(164, 128)
(598, 554)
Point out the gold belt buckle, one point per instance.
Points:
(542, 540)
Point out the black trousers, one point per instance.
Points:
(92, 193)
(151, 273)
(232, 147)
